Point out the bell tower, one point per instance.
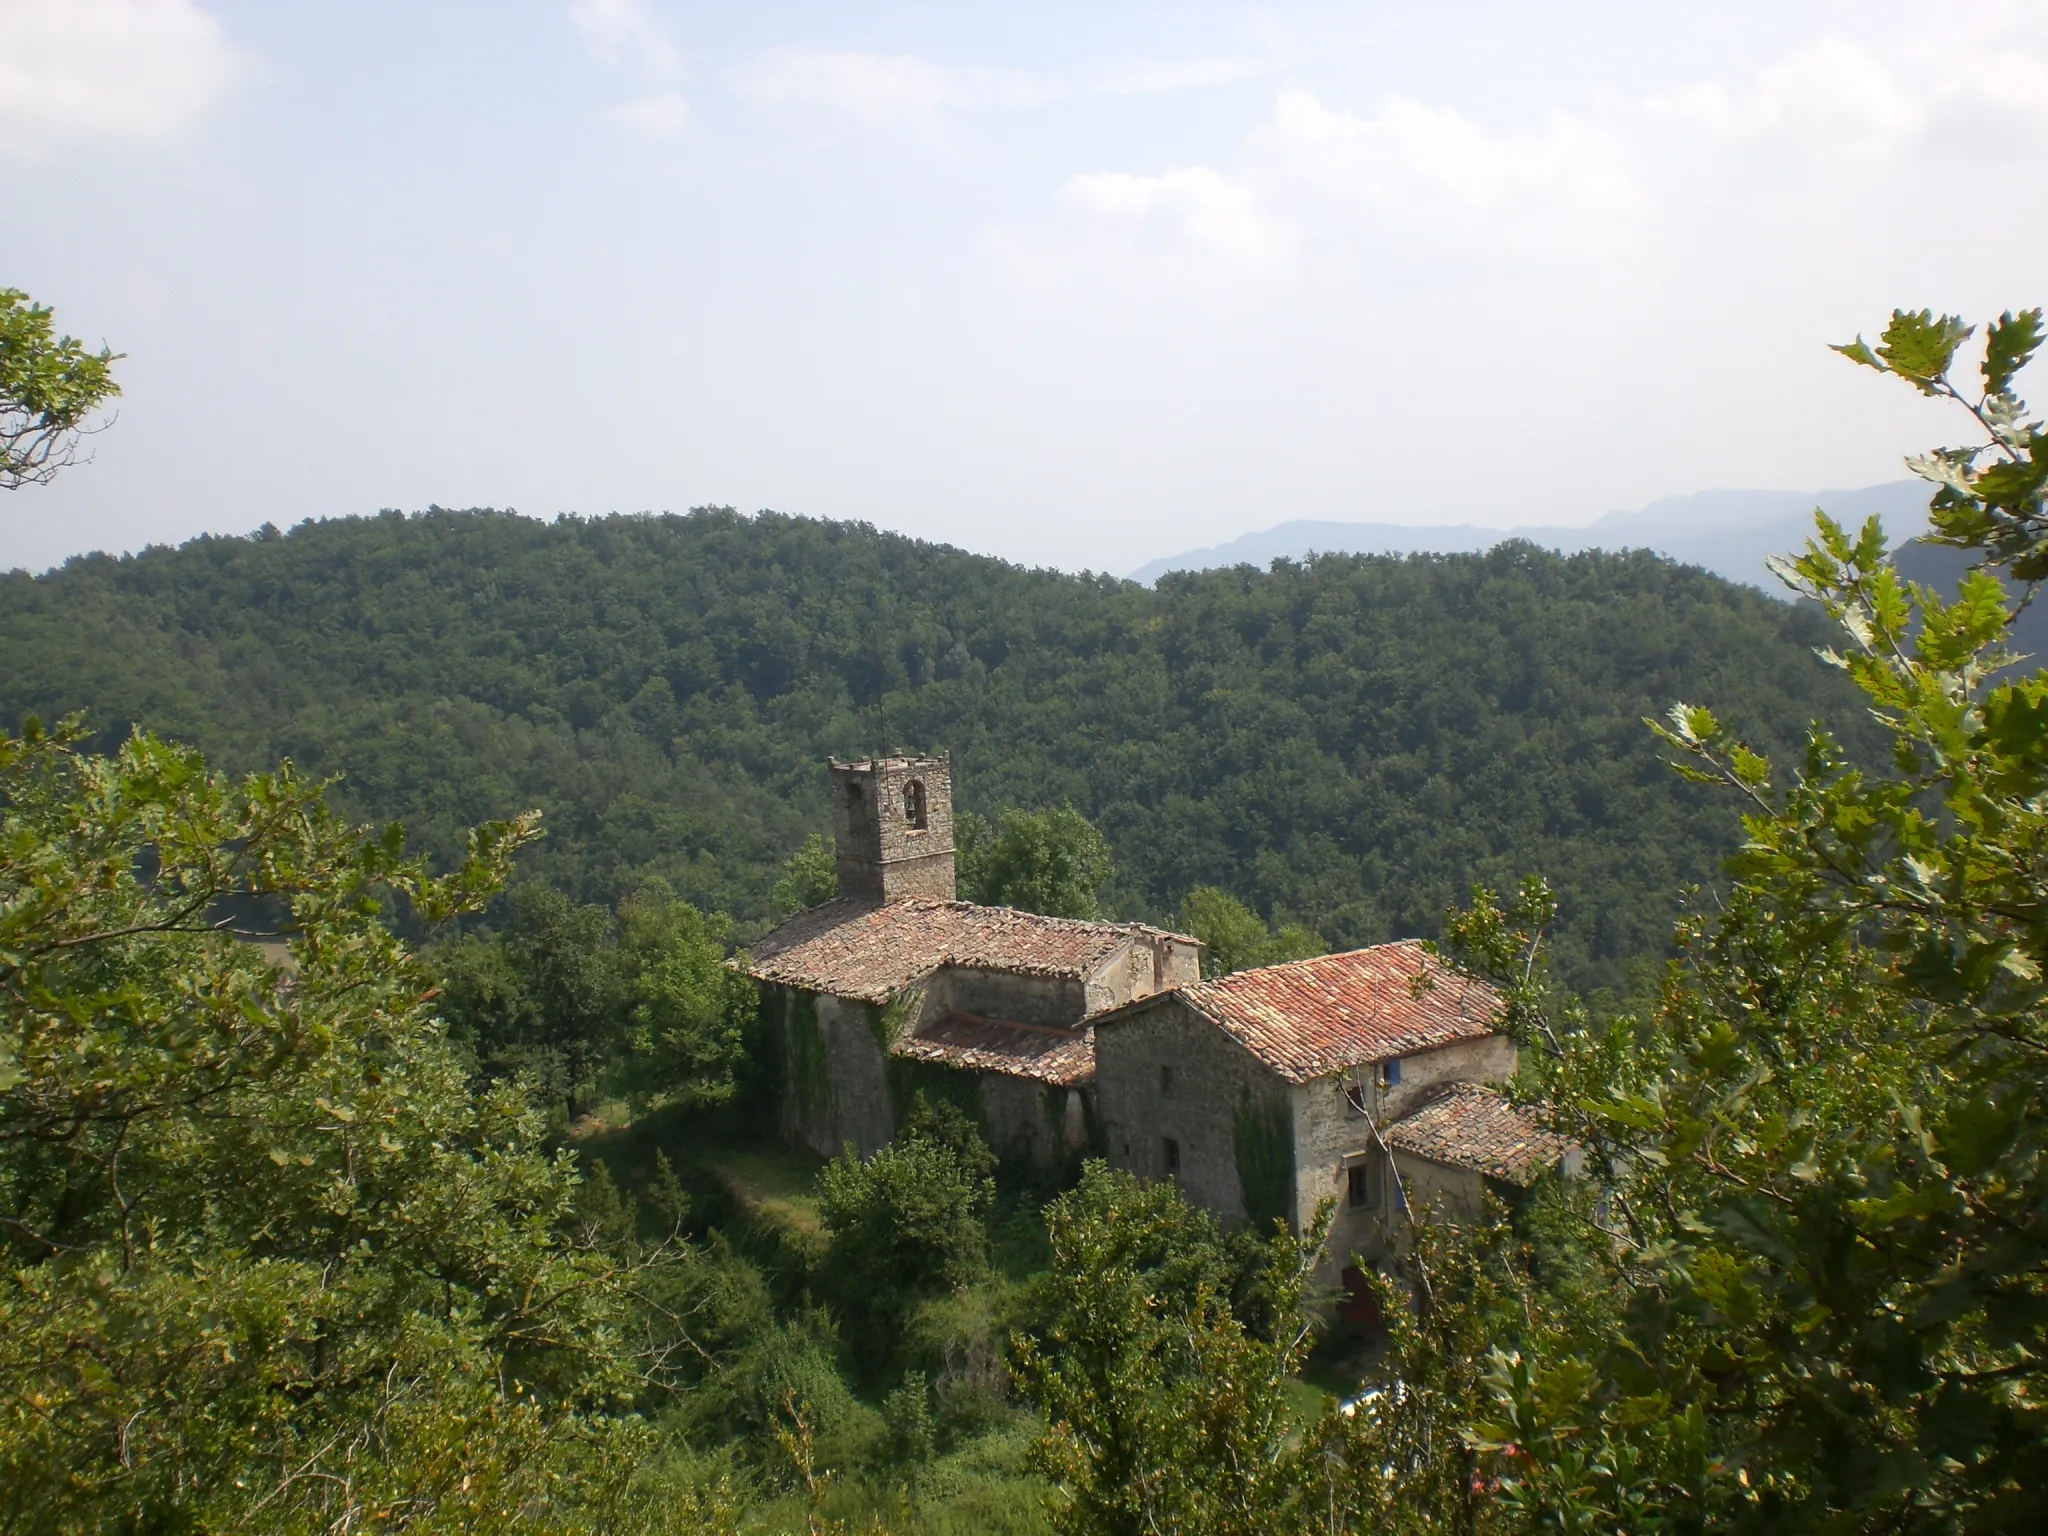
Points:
(892, 824)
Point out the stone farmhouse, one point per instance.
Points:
(1370, 1079)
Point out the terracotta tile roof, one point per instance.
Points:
(850, 949)
(1062, 1056)
(1309, 1018)
(1467, 1126)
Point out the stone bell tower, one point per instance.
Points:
(892, 823)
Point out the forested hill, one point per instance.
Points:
(1350, 742)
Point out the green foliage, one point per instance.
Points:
(1235, 938)
(1989, 495)
(810, 1064)
(943, 1121)
(1164, 1410)
(548, 998)
(692, 1014)
(1825, 1298)
(569, 994)
(1053, 862)
(268, 1261)
(1262, 1139)
(1405, 1460)
(907, 1411)
(959, 1339)
(810, 878)
(1352, 741)
(905, 1224)
(49, 385)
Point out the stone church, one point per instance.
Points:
(1370, 1079)
(894, 986)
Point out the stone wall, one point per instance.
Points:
(1333, 1134)
(1331, 1137)
(835, 1077)
(1056, 1002)
(1438, 1191)
(1030, 1122)
(1489, 1059)
(840, 1084)
(1163, 1073)
(882, 855)
(1143, 965)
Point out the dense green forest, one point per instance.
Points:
(1348, 743)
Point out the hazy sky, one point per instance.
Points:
(1074, 284)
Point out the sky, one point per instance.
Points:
(1074, 284)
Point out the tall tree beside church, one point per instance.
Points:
(1051, 862)
(1235, 938)
(809, 878)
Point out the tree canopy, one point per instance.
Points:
(1344, 744)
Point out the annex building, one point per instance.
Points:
(1370, 1078)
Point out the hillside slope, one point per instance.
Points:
(1350, 741)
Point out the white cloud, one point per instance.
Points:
(1159, 75)
(878, 86)
(1565, 178)
(1425, 178)
(663, 116)
(626, 34)
(1211, 210)
(81, 71)
(1834, 94)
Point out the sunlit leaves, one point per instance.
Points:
(1916, 346)
(49, 386)
(2010, 342)
(1826, 1140)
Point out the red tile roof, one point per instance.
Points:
(850, 949)
(1309, 1018)
(1467, 1126)
(1065, 1057)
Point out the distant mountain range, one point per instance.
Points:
(1730, 533)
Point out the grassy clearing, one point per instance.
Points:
(776, 1186)
(983, 1488)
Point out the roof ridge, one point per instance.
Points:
(1307, 1018)
(1481, 1129)
(865, 950)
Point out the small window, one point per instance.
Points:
(1165, 1080)
(853, 793)
(1170, 1150)
(1358, 1186)
(1390, 1074)
(913, 804)
(1354, 1095)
